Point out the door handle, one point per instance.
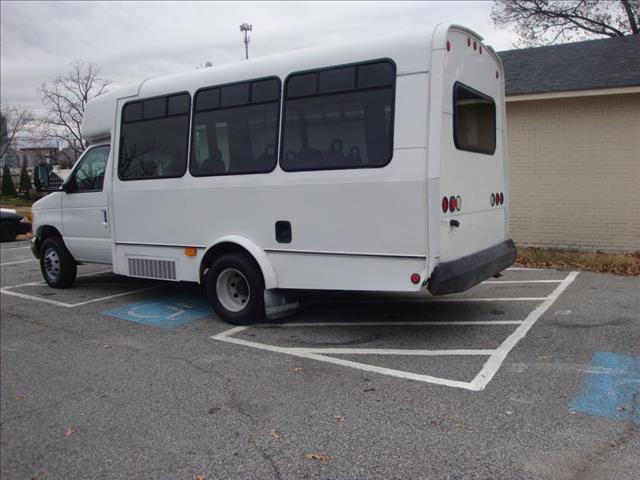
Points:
(104, 216)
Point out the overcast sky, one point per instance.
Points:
(131, 41)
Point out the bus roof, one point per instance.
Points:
(410, 51)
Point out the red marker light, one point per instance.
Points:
(445, 204)
(468, 42)
(448, 45)
(501, 198)
(452, 204)
(415, 278)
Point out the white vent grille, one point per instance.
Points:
(152, 268)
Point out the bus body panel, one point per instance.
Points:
(351, 229)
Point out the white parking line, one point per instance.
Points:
(227, 336)
(507, 282)
(396, 351)
(432, 300)
(18, 261)
(391, 324)
(9, 291)
(495, 360)
(480, 381)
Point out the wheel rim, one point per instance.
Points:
(52, 264)
(233, 290)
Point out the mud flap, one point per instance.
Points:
(280, 303)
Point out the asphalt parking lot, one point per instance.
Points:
(535, 375)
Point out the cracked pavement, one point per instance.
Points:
(172, 403)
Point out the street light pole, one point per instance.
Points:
(246, 28)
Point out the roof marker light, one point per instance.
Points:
(475, 45)
(497, 74)
(448, 45)
(468, 42)
(480, 49)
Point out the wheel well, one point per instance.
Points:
(47, 231)
(44, 232)
(221, 249)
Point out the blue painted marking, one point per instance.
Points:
(611, 389)
(165, 313)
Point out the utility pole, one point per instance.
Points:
(246, 28)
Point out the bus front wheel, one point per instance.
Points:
(235, 289)
(56, 263)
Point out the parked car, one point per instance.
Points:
(12, 224)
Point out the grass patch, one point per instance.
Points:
(6, 201)
(618, 263)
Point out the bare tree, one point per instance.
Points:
(66, 99)
(14, 119)
(543, 22)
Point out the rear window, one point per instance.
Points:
(474, 120)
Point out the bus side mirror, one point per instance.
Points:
(41, 178)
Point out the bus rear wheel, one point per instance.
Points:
(235, 289)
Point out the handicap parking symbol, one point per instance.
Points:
(611, 389)
(166, 313)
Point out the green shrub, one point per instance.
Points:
(8, 188)
(25, 181)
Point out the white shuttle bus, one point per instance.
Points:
(379, 166)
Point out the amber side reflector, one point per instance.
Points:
(190, 251)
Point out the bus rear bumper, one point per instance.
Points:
(462, 274)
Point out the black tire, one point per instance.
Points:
(223, 267)
(8, 231)
(53, 253)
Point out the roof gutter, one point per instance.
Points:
(573, 93)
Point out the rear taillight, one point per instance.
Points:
(501, 198)
(452, 204)
(445, 204)
(458, 203)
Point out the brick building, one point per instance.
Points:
(573, 134)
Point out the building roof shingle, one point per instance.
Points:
(587, 65)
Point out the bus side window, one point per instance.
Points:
(339, 118)
(240, 124)
(154, 138)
